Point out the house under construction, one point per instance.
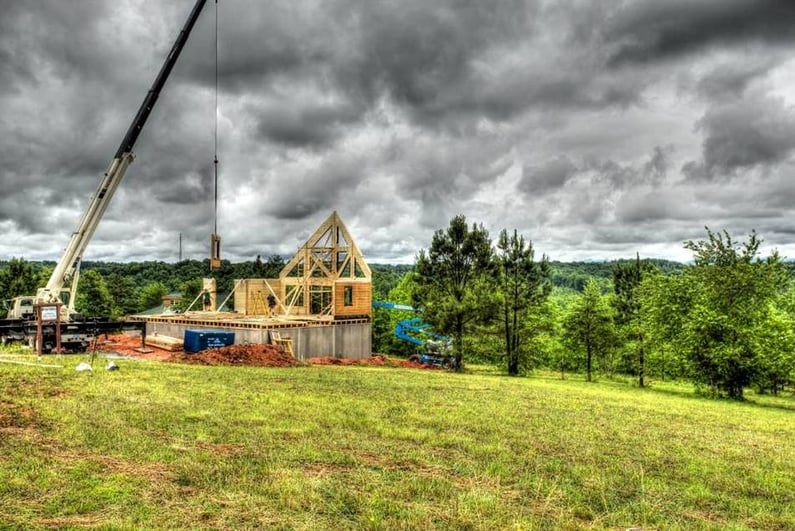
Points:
(320, 305)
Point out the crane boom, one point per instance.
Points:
(68, 266)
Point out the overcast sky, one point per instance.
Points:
(598, 129)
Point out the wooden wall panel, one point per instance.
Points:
(361, 298)
(251, 296)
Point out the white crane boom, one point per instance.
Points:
(68, 266)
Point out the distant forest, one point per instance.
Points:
(177, 277)
(570, 275)
(137, 286)
(725, 321)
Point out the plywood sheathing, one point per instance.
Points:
(251, 296)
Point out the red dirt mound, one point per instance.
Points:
(252, 355)
(127, 345)
(255, 355)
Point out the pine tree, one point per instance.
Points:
(451, 280)
(523, 286)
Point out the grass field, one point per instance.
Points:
(157, 445)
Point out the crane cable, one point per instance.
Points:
(215, 239)
(215, 155)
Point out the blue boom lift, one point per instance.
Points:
(434, 349)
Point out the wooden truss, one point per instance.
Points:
(329, 259)
(326, 279)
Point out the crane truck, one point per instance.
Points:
(60, 292)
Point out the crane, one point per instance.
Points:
(67, 269)
(69, 264)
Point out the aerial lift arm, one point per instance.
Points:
(68, 266)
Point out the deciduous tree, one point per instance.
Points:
(93, 297)
(726, 331)
(152, 295)
(665, 302)
(19, 277)
(122, 294)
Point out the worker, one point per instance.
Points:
(207, 306)
(271, 305)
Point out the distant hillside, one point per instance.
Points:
(573, 275)
(386, 277)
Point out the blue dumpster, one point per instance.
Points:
(198, 340)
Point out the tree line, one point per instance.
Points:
(119, 289)
(726, 321)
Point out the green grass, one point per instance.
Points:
(167, 446)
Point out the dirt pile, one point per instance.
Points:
(129, 345)
(251, 355)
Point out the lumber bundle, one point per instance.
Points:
(172, 344)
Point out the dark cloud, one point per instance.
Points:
(648, 30)
(27, 216)
(656, 169)
(556, 173)
(303, 194)
(439, 171)
(194, 188)
(741, 134)
(627, 238)
(50, 40)
(398, 115)
(297, 125)
(642, 205)
(550, 176)
(443, 62)
(260, 44)
(777, 191)
(416, 52)
(729, 81)
(615, 174)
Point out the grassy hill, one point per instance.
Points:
(157, 445)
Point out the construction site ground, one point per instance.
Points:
(240, 355)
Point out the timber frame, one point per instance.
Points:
(327, 278)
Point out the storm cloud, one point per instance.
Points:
(743, 134)
(648, 30)
(597, 129)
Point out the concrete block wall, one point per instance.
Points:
(339, 340)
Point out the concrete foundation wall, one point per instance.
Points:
(339, 340)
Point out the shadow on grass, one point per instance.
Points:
(679, 389)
